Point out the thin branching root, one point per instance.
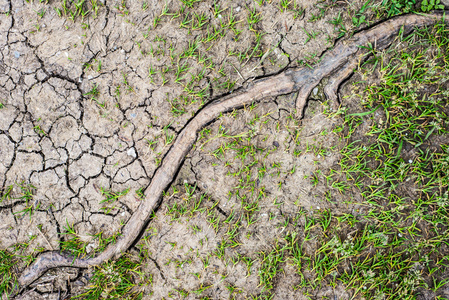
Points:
(331, 88)
(337, 64)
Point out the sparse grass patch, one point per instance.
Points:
(7, 273)
(110, 199)
(396, 7)
(396, 245)
(116, 280)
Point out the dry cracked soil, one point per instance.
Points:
(89, 106)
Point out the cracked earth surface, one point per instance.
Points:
(80, 146)
(67, 147)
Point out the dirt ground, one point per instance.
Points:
(90, 106)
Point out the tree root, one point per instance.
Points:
(331, 89)
(338, 62)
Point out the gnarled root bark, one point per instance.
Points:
(339, 62)
(331, 89)
(342, 59)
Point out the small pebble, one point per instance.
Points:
(276, 144)
(132, 152)
(90, 247)
(315, 91)
(16, 54)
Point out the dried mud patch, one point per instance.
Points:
(89, 109)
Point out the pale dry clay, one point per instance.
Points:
(337, 64)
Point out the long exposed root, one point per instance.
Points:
(339, 62)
